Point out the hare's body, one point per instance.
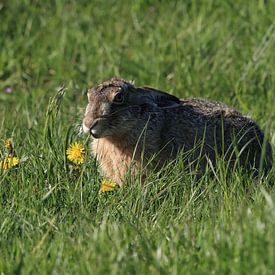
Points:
(149, 126)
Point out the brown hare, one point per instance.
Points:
(143, 127)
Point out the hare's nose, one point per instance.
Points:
(93, 129)
(94, 125)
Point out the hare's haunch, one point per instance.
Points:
(144, 127)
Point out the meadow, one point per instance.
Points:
(53, 219)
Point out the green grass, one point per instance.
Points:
(53, 220)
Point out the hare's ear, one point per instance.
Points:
(157, 97)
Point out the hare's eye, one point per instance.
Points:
(119, 98)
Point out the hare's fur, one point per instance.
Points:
(133, 126)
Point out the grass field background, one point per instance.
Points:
(53, 220)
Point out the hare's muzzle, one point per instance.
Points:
(94, 130)
(99, 127)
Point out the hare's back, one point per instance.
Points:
(215, 116)
(206, 107)
(221, 127)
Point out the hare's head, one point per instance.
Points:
(117, 106)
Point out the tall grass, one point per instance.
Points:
(53, 219)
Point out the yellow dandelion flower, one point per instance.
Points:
(107, 185)
(76, 153)
(8, 144)
(9, 162)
